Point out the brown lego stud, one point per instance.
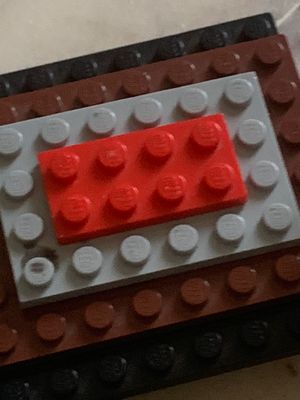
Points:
(147, 303)
(8, 339)
(99, 315)
(182, 73)
(283, 92)
(195, 291)
(242, 280)
(288, 268)
(51, 327)
(90, 94)
(270, 55)
(226, 63)
(47, 105)
(136, 83)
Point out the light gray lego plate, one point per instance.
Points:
(240, 99)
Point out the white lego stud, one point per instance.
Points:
(135, 249)
(264, 174)
(87, 260)
(278, 217)
(18, 184)
(148, 111)
(193, 101)
(38, 271)
(231, 228)
(252, 133)
(102, 121)
(239, 91)
(183, 239)
(55, 132)
(28, 227)
(11, 142)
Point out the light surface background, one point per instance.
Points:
(34, 32)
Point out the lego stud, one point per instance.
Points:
(278, 217)
(270, 53)
(64, 382)
(148, 111)
(160, 357)
(112, 369)
(112, 155)
(209, 345)
(283, 92)
(38, 272)
(55, 132)
(231, 228)
(206, 135)
(287, 268)
(99, 315)
(252, 133)
(159, 145)
(8, 114)
(183, 239)
(126, 59)
(47, 104)
(290, 131)
(182, 73)
(51, 327)
(136, 83)
(226, 63)
(83, 69)
(239, 91)
(64, 166)
(195, 292)
(18, 184)
(147, 303)
(193, 102)
(255, 333)
(11, 142)
(124, 199)
(219, 177)
(28, 227)
(76, 209)
(87, 260)
(264, 174)
(90, 93)
(8, 339)
(171, 188)
(213, 38)
(242, 280)
(135, 250)
(102, 121)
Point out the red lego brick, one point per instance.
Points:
(269, 57)
(142, 178)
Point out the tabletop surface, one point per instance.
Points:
(34, 32)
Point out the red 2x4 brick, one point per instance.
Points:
(141, 178)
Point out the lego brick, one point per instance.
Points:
(269, 57)
(249, 28)
(269, 218)
(190, 168)
(164, 358)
